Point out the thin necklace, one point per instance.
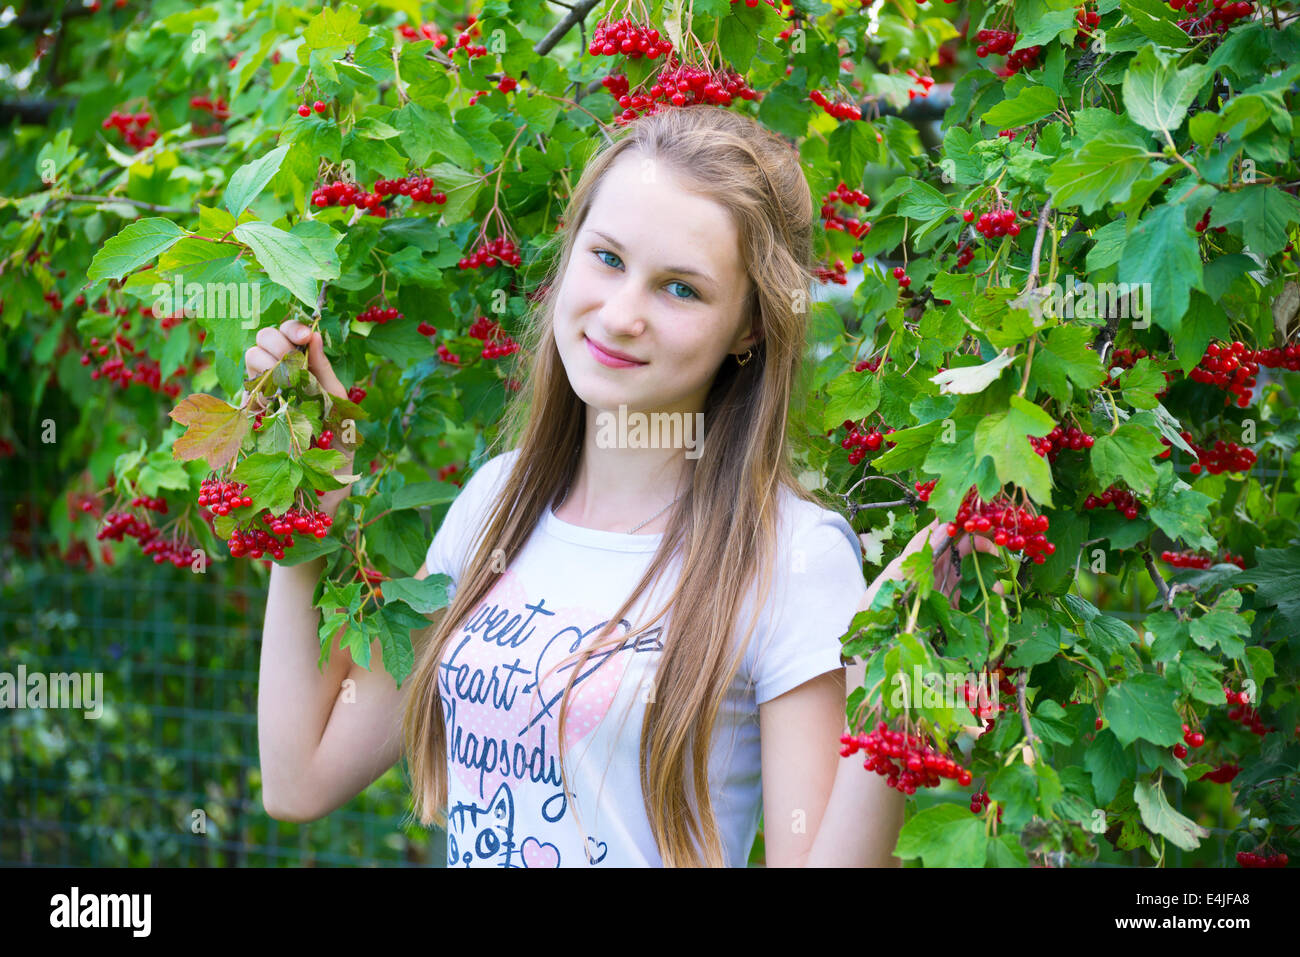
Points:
(643, 524)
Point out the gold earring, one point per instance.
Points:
(749, 354)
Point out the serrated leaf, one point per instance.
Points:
(288, 260)
(1004, 438)
(1143, 707)
(134, 246)
(1157, 93)
(271, 480)
(425, 595)
(1126, 455)
(1028, 106)
(944, 836)
(214, 430)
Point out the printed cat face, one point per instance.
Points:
(478, 835)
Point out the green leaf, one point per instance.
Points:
(1143, 707)
(1162, 251)
(271, 480)
(1126, 455)
(425, 595)
(249, 180)
(1264, 212)
(923, 202)
(335, 28)
(1159, 817)
(1109, 765)
(851, 395)
(1180, 511)
(1064, 357)
(396, 622)
(1276, 576)
(1101, 172)
(1004, 438)
(134, 246)
(401, 538)
(1223, 625)
(945, 835)
(1029, 105)
(288, 260)
(1157, 93)
(424, 493)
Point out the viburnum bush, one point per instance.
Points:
(1070, 331)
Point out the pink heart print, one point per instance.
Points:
(537, 854)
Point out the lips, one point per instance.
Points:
(612, 353)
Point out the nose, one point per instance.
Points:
(623, 315)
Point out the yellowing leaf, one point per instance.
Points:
(214, 430)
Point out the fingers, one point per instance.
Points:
(273, 344)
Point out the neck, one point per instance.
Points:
(619, 485)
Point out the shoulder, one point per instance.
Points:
(808, 529)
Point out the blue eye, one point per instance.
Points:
(604, 252)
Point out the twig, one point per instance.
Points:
(1032, 738)
(76, 198)
(1038, 248)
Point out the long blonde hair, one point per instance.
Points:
(725, 523)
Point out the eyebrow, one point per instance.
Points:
(683, 270)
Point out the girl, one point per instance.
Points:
(620, 605)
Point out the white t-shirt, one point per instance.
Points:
(506, 802)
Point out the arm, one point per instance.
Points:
(821, 810)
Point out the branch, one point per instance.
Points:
(576, 14)
(1038, 247)
(1032, 738)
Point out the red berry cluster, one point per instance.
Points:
(116, 369)
(919, 764)
(220, 497)
(860, 443)
(1250, 859)
(923, 489)
(998, 222)
(323, 441)
(356, 394)
(426, 31)
(965, 253)
(920, 85)
(447, 355)
(1220, 457)
(1233, 366)
(219, 109)
(420, 189)
(123, 524)
(632, 40)
(1193, 738)
(979, 801)
(1086, 19)
(1243, 713)
(380, 315)
(832, 220)
(1051, 444)
(446, 470)
(496, 344)
(255, 542)
(55, 301)
(349, 194)
(994, 41)
(682, 85)
(869, 365)
(465, 37)
(843, 110)
(1222, 774)
(1014, 527)
(425, 329)
(1187, 559)
(904, 280)
(154, 504)
(1218, 20)
(320, 106)
(1114, 496)
(835, 274)
(500, 250)
(132, 127)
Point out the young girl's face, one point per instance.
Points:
(655, 275)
